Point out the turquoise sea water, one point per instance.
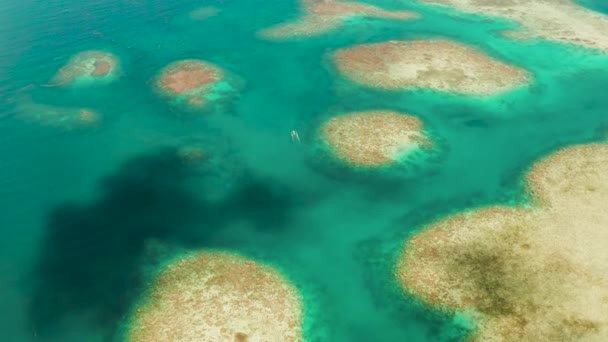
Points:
(86, 214)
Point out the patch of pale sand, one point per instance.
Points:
(321, 16)
(437, 64)
(558, 20)
(516, 34)
(92, 63)
(373, 138)
(215, 296)
(188, 76)
(525, 274)
(204, 12)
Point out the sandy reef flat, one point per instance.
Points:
(321, 16)
(373, 138)
(525, 274)
(563, 21)
(216, 296)
(62, 117)
(437, 64)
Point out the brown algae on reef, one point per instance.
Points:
(525, 274)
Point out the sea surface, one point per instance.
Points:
(87, 215)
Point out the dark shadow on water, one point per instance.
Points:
(90, 260)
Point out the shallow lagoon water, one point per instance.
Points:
(87, 214)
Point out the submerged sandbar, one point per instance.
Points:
(321, 16)
(87, 67)
(564, 21)
(204, 12)
(373, 138)
(216, 296)
(525, 274)
(437, 64)
(64, 117)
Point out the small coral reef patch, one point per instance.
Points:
(524, 274)
(194, 83)
(217, 296)
(86, 68)
(373, 138)
(191, 155)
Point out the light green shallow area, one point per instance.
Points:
(88, 214)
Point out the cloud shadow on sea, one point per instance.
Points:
(89, 263)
